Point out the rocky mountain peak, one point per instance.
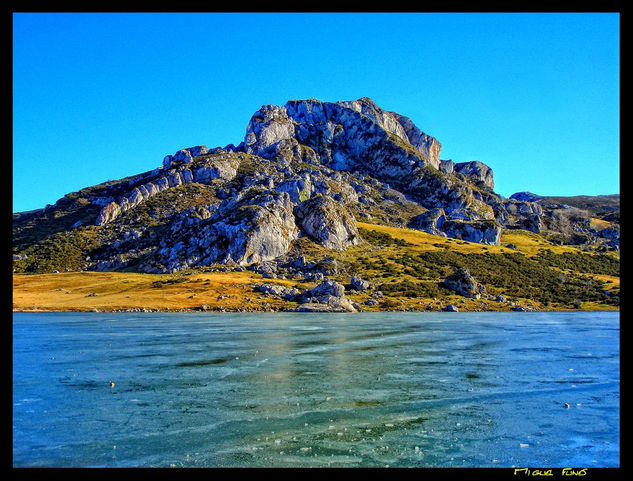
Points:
(304, 169)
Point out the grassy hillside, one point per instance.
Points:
(597, 205)
(406, 266)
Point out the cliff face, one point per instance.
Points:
(305, 169)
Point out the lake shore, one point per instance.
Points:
(218, 292)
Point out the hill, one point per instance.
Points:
(342, 206)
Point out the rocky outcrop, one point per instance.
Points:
(431, 221)
(329, 296)
(428, 146)
(354, 136)
(184, 155)
(270, 125)
(257, 228)
(525, 196)
(288, 293)
(223, 169)
(173, 175)
(360, 284)
(531, 222)
(250, 233)
(327, 223)
(344, 135)
(110, 212)
(481, 231)
(464, 284)
(477, 171)
(299, 189)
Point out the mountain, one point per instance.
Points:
(601, 206)
(303, 180)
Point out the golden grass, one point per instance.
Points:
(526, 242)
(599, 224)
(121, 291)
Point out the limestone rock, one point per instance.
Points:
(332, 304)
(289, 293)
(299, 189)
(329, 296)
(305, 168)
(532, 223)
(464, 284)
(447, 166)
(431, 221)
(223, 169)
(184, 155)
(427, 145)
(360, 284)
(478, 171)
(525, 196)
(263, 233)
(484, 232)
(108, 213)
(269, 125)
(327, 223)
(326, 288)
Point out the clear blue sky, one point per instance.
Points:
(103, 96)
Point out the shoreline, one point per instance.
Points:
(235, 292)
(150, 310)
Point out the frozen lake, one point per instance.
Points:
(303, 389)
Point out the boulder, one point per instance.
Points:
(360, 284)
(330, 305)
(532, 223)
(326, 288)
(329, 296)
(464, 284)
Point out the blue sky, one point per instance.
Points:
(100, 96)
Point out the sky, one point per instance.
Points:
(101, 96)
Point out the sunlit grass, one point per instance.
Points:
(115, 291)
(234, 291)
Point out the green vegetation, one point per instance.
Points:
(579, 262)
(47, 247)
(598, 205)
(378, 238)
(407, 288)
(63, 251)
(561, 280)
